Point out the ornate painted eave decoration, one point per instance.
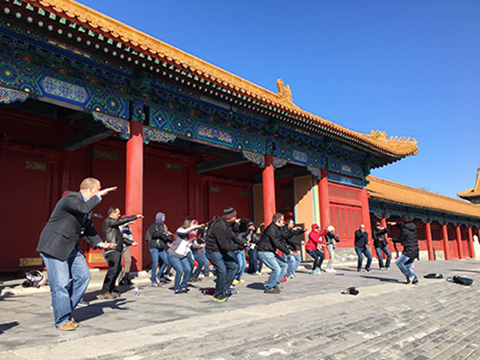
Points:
(282, 101)
(257, 159)
(152, 134)
(278, 162)
(8, 96)
(121, 126)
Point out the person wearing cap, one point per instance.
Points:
(271, 241)
(381, 245)
(112, 234)
(361, 242)
(220, 248)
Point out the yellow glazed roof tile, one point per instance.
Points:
(395, 147)
(402, 194)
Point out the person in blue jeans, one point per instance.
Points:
(380, 243)
(220, 251)
(409, 239)
(68, 273)
(290, 231)
(361, 242)
(179, 255)
(271, 240)
(158, 238)
(203, 264)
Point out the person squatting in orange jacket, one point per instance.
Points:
(314, 248)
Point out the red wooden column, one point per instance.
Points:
(428, 231)
(445, 241)
(470, 243)
(366, 217)
(134, 189)
(459, 242)
(324, 200)
(268, 187)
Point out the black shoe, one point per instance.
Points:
(415, 281)
(123, 282)
(128, 281)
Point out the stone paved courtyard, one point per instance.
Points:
(310, 319)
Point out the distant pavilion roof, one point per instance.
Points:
(473, 192)
(84, 16)
(401, 194)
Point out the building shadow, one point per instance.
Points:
(8, 326)
(256, 286)
(380, 279)
(96, 309)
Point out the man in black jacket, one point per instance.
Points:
(58, 246)
(290, 234)
(361, 242)
(381, 245)
(408, 238)
(271, 240)
(112, 234)
(220, 247)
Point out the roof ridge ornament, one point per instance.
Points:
(394, 142)
(284, 91)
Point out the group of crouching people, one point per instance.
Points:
(222, 242)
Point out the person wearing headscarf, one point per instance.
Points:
(157, 237)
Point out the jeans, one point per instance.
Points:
(162, 255)
(331, 252)
(202, 263)
(366, 251)
(65, 297)
(318, 257)
(242, 264)
(226, 267)
(293, 262)
(405, 263)
(114, 261)
(387, 252)
(183, 267)
(277, 264)
(254, 263)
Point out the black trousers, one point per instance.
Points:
(114, 261)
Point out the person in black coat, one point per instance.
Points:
(112, 234)
(361, 242)
(291, 234)
(271, 240)
(220, 247)
(409, 239)
(381, 245)
(59, 248)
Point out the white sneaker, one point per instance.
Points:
(291, 277)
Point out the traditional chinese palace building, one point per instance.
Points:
(84, 95)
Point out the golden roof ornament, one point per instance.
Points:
(284, 91)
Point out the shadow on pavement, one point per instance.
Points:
(256, 286)
(380, 278)
(96, 309)
(465, 270)
(8, 326)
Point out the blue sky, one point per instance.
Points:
(410, 68)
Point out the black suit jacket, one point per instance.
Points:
(70, 219)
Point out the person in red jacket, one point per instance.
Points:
(314, 248)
